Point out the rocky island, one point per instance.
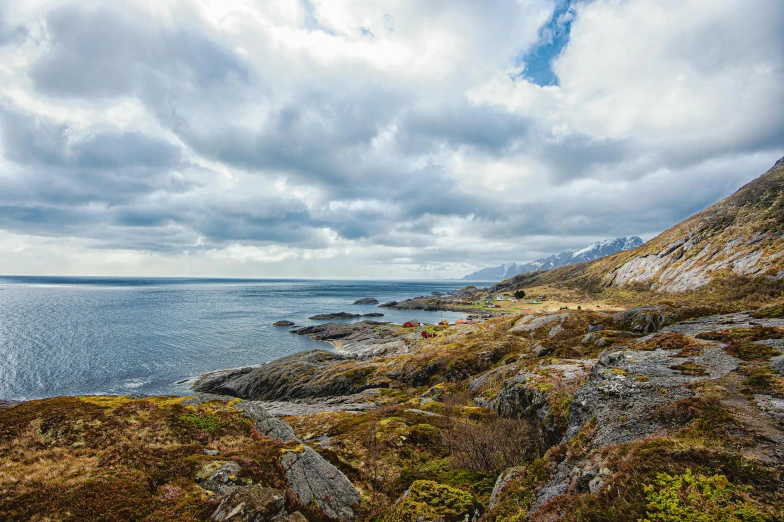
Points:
(660, 398)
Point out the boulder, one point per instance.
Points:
(313, 479)
(249, 504)
(540, 351)
(644, 319)
(265, 423)
(777, 364)
(519, 400)
(283, 323)
(502, 480)
(531, 323)
(366, 301)
(218, 476)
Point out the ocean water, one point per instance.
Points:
(77, 335)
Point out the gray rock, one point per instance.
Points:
(595, 484)
(265, 423)
(292, 517)
(531, 323)
(303, 375)
(218, 476)
(517, 400)
(203, 398)
(333, 315)
(644, 319)
(283, 323)
(366, 301)
(212, 452)
(777, 364)
(540, 351)
(547, 493)
(625, 407)
(595, 327)
(249, 504)
(313, 479)
(502, 480)
(590, 338)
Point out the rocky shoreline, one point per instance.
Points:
(530, 416)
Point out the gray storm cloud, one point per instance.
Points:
(353, 137)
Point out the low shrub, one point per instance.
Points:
(493, 446)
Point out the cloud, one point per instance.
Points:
(389, 139)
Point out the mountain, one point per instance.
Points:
(565, 258)
(740, 239)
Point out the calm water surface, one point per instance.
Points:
(73, 335)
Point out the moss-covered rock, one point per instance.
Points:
(427, 500)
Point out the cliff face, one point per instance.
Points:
(742, 235)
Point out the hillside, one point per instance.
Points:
(738, 238)
(567, 257)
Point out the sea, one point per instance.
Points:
(102, 335)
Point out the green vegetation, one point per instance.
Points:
(689, 368)
(697, 498)
(428, 500)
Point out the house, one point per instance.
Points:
(444, 323)
(500, 297)
(461, 321)
(526, 311)
(411, 324)
(427, 335)
(497, 306)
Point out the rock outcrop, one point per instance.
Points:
(366, 301)
(362, 339)
(637, 383)
(309, 476)
(644, 319)
(250, 504)
(283, 323)
(314, 479)
(342, 315)
(315, 373)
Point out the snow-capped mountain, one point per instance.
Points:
(567, 257)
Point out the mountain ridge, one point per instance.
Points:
(741, 236)
(567, 257)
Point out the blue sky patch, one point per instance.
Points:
(553, 37)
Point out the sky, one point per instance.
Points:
(370, 139)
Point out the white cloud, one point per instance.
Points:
(368, 139)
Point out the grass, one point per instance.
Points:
(116, 458)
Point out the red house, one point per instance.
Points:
(411, 324)
(427, 335)
(444, 323)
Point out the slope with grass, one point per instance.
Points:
(737, 241)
